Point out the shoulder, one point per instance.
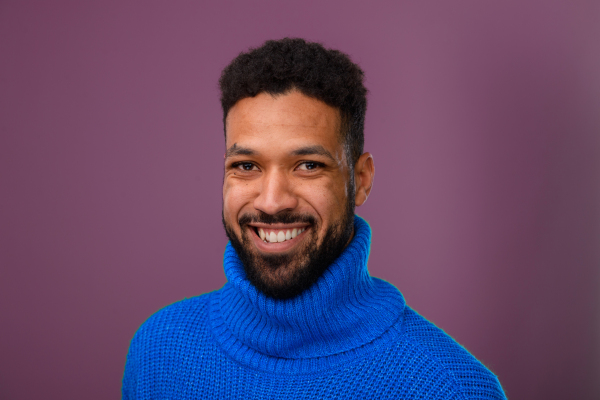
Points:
(165, 341)
(172, 321)
(469, 376)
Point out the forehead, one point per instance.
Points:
(291, 116)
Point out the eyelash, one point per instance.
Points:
(316, 164)
(240, 163)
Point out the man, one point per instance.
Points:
(300, 317)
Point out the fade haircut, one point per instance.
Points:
(279, 66)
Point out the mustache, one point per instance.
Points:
(279, 218)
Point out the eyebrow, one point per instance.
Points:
(312, 150)
(236, 150)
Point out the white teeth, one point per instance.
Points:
(281, 236)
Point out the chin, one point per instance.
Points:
(287, 274)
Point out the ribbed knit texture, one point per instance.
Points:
(348, 336)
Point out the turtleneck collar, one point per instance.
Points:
(344, 310)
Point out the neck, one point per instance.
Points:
(345, 309)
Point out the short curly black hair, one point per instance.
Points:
(279, 66)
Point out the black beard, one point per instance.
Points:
(268, 272)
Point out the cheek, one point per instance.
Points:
(236, 195)
(327, 200)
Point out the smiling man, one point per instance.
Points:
(300, 317)
(288, 205)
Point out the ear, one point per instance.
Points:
(364, 174)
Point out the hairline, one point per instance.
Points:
(343, 121)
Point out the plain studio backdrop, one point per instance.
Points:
(483, 119)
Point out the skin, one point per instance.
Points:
(285, 155)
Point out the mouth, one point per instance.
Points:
(278, 237)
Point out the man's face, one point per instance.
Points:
(288, 200)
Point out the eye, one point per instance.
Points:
(309, 165)
(245, 166)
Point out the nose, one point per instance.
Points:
(276, 194)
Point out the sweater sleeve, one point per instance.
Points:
(472, 379)
(131, 371)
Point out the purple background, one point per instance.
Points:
(483, 120)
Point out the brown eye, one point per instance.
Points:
(309, 165)
(245, 166)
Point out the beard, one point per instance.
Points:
(286, 275)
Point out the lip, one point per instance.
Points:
(277, 247)
(279, 226)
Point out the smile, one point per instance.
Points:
(279, 234)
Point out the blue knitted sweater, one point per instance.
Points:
(350, 336)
